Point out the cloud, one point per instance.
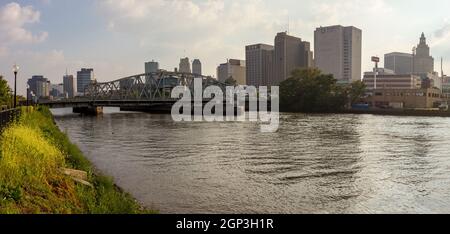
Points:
(214, 30)
(13, 19)
(3, 51)
(202, 29)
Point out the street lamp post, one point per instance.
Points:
(28, 94)
(15, 70)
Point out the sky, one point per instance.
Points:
(116, 37)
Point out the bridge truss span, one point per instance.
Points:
(146, 87)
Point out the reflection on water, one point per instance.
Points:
(313, 164)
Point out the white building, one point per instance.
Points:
(338, 51)
(392, 81)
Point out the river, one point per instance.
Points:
(313, 164)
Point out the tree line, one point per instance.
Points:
(308, 90)
(5, 93)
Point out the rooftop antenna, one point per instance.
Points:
(442, 70)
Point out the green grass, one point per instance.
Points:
(33, 152)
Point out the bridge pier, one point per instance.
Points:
(88, 110)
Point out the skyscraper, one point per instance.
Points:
(234, 69)
(84, 78)
(56, 90)
(151, 67)
(185, 65)
(423, 62)
(290, 53)
(197, 67)
(69, 86)
(40, 86)
(400, 63)
(259, 64)
(338, 51)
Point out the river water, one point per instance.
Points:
(313, 164)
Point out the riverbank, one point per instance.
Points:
(401, 112)
(40, 168)
(384, 112)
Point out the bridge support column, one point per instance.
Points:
(88, 110)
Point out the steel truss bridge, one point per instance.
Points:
(149, 91)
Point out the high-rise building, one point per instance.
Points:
(40, 86)
(259, 64)
(423, 62)
(234, 69)
(400, 63)
(338, 51)
(151, 67)
(197, 67)
(290, 53)
(185, 65)
(84, 78)
(446, 85)
(56, 90)
(69, 86)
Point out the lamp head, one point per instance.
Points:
(15, 68)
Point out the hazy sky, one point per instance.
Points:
(116, 37)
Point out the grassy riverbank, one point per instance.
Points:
(33, 156)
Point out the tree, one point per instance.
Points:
(231, 81)
(356, 90)
(5, 92)
(308, 90)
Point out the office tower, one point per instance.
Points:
(233, 68)
(338, 52)
(40, 86)
(69, 86)
(151, 67)
(290, 53)
(197, 67)
(84, 78)
(446, 85)
(259, 64)
(56, 90)
(400, 63)
(423, 62)
(185, 65)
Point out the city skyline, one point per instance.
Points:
(44, 37)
